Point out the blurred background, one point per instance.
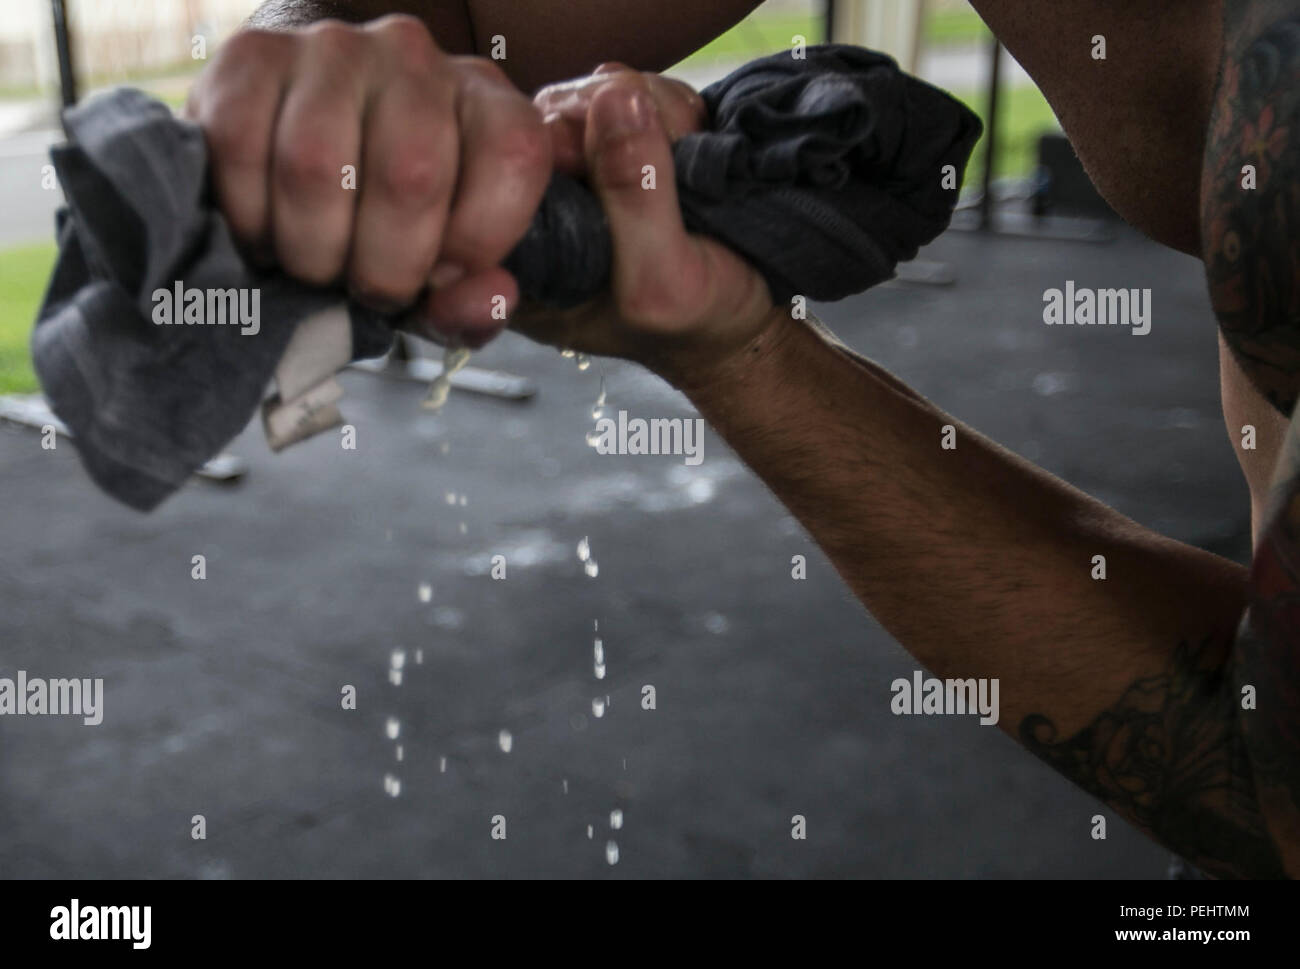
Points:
(329, 568)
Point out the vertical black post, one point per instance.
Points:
(828, 22)
(67, 77)
(991, 135)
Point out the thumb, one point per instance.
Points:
(658, 269)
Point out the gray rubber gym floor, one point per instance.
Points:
(222, 696)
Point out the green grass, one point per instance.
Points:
(1023, 115)
(764, 33)
(24, 271)
(760, 34)
(953, 25)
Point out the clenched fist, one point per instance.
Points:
(449, 159)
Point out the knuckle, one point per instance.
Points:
(408, 37)
(410, 174)
(649, 304)
(334, 37)
(253, 45)
(485, 68)
(654, 298)
(524, 149)
(233, 140)
(306, 168)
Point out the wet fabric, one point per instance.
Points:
(825, 171)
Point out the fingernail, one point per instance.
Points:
(624, 115)
(446, 273)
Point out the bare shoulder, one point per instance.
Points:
(1148, 100)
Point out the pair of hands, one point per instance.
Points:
(451, 161)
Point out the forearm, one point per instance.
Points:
(448, 20)
(545, 40)
(981, 565)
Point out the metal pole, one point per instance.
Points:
(67, 77)
(829, 21)
(991, 135)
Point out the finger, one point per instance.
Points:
(566, 146)
(505, 165)
(236, 102)
(564, 109)
(658, 270)
(319, 132)
(471, 311)
(408, 174)
(680, 105)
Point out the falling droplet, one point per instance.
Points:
(591, 568)
(616, 819)
(463, 500)
(599, 649)
(395, 677)
(451, 497)
(566, 785)
(567, 353)
(426, 592)
(444, 447)
(419, 657)
(599, 670)
(442, 765)
(583, 361)
(590, 832)
(598, 707)
(594, 438)
(393, 728)
(400, 753)
(598, 408)
(584, 550)
(611, 852)
(506, 741)
(464, 529)
(453, 359)
(392, 785)
(399, 658)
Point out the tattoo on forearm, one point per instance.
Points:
(1169, 756)
(1251, 235)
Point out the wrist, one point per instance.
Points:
(698, 372)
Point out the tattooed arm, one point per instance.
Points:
(979, 563)
(1251, 234)
(1251, 197)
